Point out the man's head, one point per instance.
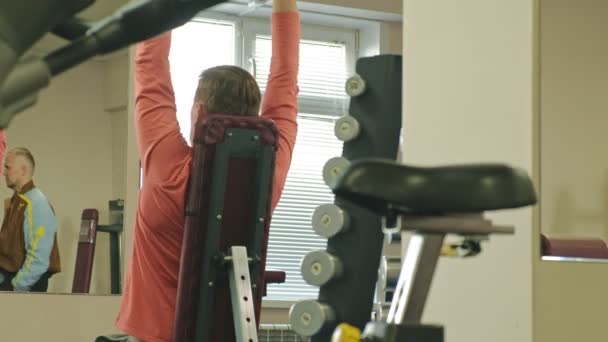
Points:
(18, 168)
(227, 90)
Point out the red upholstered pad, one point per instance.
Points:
(211, 130)
(574, 248)
(90, 214)
(275, 277)
(86, 251)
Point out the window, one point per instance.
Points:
(291, 234)
(327, 57)
(190, 55)
(324, 68)
(196, 46)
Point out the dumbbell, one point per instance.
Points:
(319, 267)
(347, 128)
(329, 219)
(309, 317)
(355, 86)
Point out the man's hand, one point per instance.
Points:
(284, 5)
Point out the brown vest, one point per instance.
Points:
(12, 239)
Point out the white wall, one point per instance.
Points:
(118, 121)
(391, 38)
(390, 6)
(115, 95)
(468, 97)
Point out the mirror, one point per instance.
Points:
(573, 121)
(77, 135)
(77, 131)
(332, 40)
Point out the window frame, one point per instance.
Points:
(212, 19)
(246, 29)
(251, 27)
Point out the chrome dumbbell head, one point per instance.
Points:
(355, 86)
(347, 128)
(329, 220)
(319, 267)
(307, 318)
(333, 170)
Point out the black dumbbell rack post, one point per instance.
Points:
(347, 271)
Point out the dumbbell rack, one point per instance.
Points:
(347, 270)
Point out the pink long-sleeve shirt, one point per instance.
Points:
(148, 303)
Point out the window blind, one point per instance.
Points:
(321, 78)
(321, 101)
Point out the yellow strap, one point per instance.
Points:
(449, 250)
(34, 239)
(346, 333)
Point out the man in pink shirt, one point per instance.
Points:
(148, 303)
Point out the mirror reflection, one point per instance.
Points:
(330, 45)
(76, 137)
(77, 133)
(574, 177)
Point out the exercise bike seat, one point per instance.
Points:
(380, 184)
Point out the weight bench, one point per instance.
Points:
(270, 277)
(222, 276)
(87, 240)
(581, 248)
(430, 203)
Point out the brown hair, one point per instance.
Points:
(230, 90)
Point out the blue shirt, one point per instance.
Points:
(39, 229)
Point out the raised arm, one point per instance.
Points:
(280, 102)
(281, 96)
(160, 143)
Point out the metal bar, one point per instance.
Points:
(212, 239)
(453, 224)
(264, 173)
(415, 278)
(238, 143)
(114, 231)
(245, 326)
(115, 262)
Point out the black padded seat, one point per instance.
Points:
(378, 184)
